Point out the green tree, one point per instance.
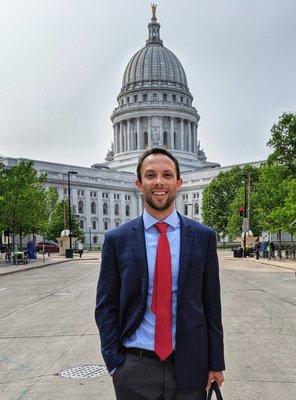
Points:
(59, 221)
(24, 196)
(283, 141)
(270, 196)
(216, 198)
(222, 199)
(289, 206)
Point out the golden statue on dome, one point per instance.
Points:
(153, 6)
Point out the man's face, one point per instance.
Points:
(159, 184)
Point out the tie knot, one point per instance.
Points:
(161, 227)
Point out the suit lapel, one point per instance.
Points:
(139, 248)
(185, 251)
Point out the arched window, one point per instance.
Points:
(145, 140)
(127, 210)
(185, 209)
(165, 139)
(93, 207)
(105, 208)
(196, 208)
(116, 209)
(80, 207)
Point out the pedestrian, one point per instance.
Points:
(268, 249)
(272, 250)
(158, 305)
(80, 249)
(257, 250)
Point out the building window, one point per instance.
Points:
(185, 209)
(94, 225)
(196, 195)
(105, 208)
(185, 196)
(93, 194)
(81, 224)
(135, 97)
(116, 196)
(116, 224)
(127, 197)
(154, 96)
(144, 96)
(187, 102)
(164, 97)
(105, 195)
(93, 207)
(80, 207)
(95, 239)
(127, 99)
(181, 99)
(122, 102)
(174, 97)
(165, 139)
(145, 140)
(106, 225)
(127, 210)
(80, 192)
(196, 208)
(116, 209)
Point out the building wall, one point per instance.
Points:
(114, 187)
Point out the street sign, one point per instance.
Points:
(245, 227)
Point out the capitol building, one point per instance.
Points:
(154, 109)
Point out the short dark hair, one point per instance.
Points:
(157, 150)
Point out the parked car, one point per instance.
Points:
(49, 246)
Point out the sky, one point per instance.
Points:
(62, 64)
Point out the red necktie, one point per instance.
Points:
(162, 295)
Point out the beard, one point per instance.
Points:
(149, 200)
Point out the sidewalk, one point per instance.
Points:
(39, 263)
(283, 263)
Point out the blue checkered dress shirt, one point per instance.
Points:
(144, 335)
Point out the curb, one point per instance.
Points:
(254, 261)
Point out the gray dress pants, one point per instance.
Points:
(144, 378)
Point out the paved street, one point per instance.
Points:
(46, 326)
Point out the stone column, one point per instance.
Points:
(138, 134)
(115, 138)
(149, 131)
(190, 137)
(195, 137)
(182, 134)
(121, 137)
(128, 135)
(172, 132)
(161, 130)
(140, 204)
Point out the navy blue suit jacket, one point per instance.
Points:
(122, 295)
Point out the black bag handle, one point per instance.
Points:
(214, 388)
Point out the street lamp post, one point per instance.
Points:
(245, 216)
(69, 206)
(89, 233)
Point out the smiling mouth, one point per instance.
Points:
(160, 193)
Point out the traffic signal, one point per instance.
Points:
(241, 211)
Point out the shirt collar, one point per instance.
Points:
(173, 219)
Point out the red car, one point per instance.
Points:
(49, 247)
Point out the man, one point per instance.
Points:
(158, 299)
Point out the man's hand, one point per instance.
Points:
(215, 376)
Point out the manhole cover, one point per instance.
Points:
(84, 371)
